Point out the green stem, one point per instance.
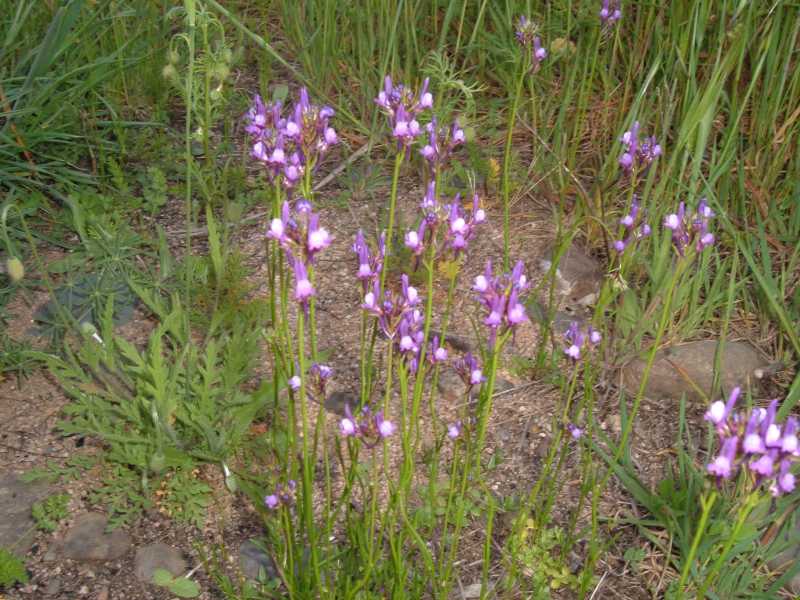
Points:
(512, 118)
(744, 512)
(707, 503)
(398, 161)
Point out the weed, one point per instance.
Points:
(12, 569)
(48, 512)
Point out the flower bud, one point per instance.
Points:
(15, 269)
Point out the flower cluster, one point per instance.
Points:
(469, 370)
(526, 36)
(688, 228)
(610, 13)
(369, 265)
(754, 443)
(302, 238)
(366, 425)
(391, 311)
(459, 226)
(635, 227)
(500, 296)
(403, 106)
(287, 146)
(441, 143)
(282, 496)
(318, 378)
(638, 153)
(579, 340)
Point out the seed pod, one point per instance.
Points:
(15, 269)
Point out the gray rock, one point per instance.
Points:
(578, 276)
(337, 401)
(681, 369)
(561, 319)
(16, 522)
(158, 556)
(253, 558)
(87, 540)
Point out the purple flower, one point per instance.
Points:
(469, 370)
(385, 428)
(632, 232)
(318, 237)
(755, 441)
(637, 154)
(499, 295)
(575, 431)
(539, 53)
(454, 430)
(303, 288)
(723, 465)
(402, 106)
(369, 265)
(610, 12)
(578, 340)
(414, 239)
(347, 427)
(294, 382)
(687, 228)
(272, 501)
(526, 31)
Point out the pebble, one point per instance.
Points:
(158, 556)
(16, 499)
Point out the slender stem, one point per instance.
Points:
(707, 503)
(744, 512)
(512, 118)
(308, 490)
(398, 161)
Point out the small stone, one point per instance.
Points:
(87, 540)
(471, 591)
(253, 558)
(103, 594)
(336, 402)
(16, 499)
(158, 556)
(680, 369)
(450, 385)
(53, 587)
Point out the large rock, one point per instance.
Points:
(688, 368)
(87, 540)
(16, 499)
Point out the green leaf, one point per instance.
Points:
(184, 588)
(162, 577)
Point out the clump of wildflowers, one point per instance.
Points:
(302, 238)
(282, 496)
(500, 296)
(287, 146)
(369, 264)
(688, 229)
(459, 226)
(403, 106)
(610, 12)
(580, 340)
(526, 36)
(635, 227)
(469, 370)
(638, 154)
(370, 427)
(441, 143)
(754, 443)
